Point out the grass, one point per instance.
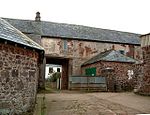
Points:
(40, 108)
(45, 91)
(48, 89)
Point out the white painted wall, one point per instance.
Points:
(54, 69)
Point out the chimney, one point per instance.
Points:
(38, 17)
(113, 47)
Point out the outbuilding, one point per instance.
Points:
(20, 59)
(116, 67)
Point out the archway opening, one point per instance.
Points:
(57, 66)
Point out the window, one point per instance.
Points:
(50, 70)
(122, 52)
(65, 45)
(58, 69)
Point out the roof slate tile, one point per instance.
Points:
(10, 33)
(71, 31)
(110, 55)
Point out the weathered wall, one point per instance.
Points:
(18, 78)
(37, 38)
(80, 51)
(138, 54)
(144, 83)
(120, 73)
(138, 73)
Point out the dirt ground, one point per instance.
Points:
(75, 103)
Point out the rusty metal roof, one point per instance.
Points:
(110, 55)
(71, 31)
(10, 33)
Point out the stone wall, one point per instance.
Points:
(18, 78)
(143, 86)
(144, 82)
(138, 73)
(121, 75)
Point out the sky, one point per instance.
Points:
(122, 15)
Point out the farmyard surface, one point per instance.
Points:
(77, 103)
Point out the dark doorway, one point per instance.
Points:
(64, 62)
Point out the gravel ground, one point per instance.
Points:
(75, 103)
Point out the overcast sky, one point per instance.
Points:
(123, 15)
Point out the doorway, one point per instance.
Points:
(63, 63)
(53, 76)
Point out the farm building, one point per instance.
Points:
(117, 69)
(20, 61)
(71, 45)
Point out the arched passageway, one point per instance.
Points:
(64, 62)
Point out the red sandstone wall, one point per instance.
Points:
(143, 86)
(18, 78)
(120, 73)
(144, 83)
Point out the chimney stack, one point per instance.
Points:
(38, 17)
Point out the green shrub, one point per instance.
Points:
(55, 76)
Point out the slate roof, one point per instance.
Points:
(70, 31)
(110, 55)
(10, 33)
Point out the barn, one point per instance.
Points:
(71, 45)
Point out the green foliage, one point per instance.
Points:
(55, 76)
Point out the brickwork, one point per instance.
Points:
(18, 78)
(120, 73)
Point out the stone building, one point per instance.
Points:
(20, 59)
(144, 78)
(119, 67)
(71, 45)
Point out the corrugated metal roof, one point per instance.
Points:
(70, 31)
(10, 33)
(110, 55)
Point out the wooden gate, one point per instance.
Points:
(96, 83)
